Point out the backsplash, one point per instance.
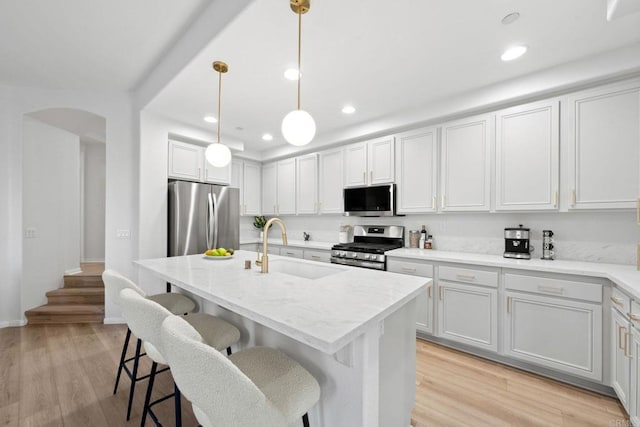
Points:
(608, 237)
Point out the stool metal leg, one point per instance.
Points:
(147, 399)
(305, 420)
(135, 375)
(178, 405)
(125, 347)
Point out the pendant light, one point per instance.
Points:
(298, 127)
(217, 153)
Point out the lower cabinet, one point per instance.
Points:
(634, 389)
(468, 314)
(620, 362)
(424, 307)
(292, 252)
(317, 255)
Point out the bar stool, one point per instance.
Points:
(257, 387)
(145, 319)
(174, 302)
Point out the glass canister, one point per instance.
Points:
(414, 238)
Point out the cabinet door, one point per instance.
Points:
(355, 165)
(634, 389)
(286, 192)
(185, 161)
(252, 188)
(416, 169)
(604, 147)
(558, 333)
(216, 175)
(307, 184)
(466, 147)
(527, 157)
(620, 363)
(269, 189)
(424, 307)
(291, 252)
(380, 161)
(331, 182)
(317, 255)
(468, 314)
(237, 175)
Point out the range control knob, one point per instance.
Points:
(366, 256)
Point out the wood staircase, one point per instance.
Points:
(81, 300)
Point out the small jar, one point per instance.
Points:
(414, 239)
(428, 244)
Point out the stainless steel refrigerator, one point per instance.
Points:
(201, 217)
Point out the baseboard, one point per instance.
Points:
(72, 271)
(92, 260)
(114, 321)
(12, 323)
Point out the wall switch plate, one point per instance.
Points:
(123, 234)
(30, 233)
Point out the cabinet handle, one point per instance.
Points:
(370, 177)
(433, 203)
(319, 206)
(555, 199)
(441, 292)
(198, 173)
(465, 277)
(408, 269)
(551, 290)
(572, 199)
(627, 353)
(620, 328)
(508, 305)
(364, 177)
(617, 301)
(633, 316)
(289, 253)
(315, 257)
(429, 292)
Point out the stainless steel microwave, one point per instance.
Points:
(379, 200)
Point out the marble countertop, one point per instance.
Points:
(325, 313)
(627, 277)
(311, 244)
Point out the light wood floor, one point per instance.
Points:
(62, 375)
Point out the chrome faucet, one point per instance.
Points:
(264, 261)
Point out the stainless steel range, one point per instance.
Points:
(370, 242)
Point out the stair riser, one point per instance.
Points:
(76, 299)
(83, 281)
(64, 318)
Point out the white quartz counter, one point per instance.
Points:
(325, 313)
(308, 244)
(627, 277)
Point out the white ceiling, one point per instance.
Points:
(80, 44)
(383, 57)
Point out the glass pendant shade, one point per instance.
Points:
(218, 155)
(298, 128)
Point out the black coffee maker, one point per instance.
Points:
(516, 243)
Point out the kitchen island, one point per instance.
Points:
(352, 328)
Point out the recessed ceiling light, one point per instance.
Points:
(210, 119)
(510, 18)
(348, 109)
(292, 74)
(267, 137)
(513, 53)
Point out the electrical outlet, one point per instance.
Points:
(30, 233)
(123, 234)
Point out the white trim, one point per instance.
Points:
(12, 323)
(92, 260)
(114, 321)
(72, 271)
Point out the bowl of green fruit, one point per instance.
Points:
(219, 253)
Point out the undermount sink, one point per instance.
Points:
(302, 269)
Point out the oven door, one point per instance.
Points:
(359, 263)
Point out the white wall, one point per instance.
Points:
(94, 163)
(587, 236)
(51, 208)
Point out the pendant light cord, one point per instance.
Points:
(219, 96)
(299, 50)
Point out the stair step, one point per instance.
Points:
(76, 296)
(66, 313)
(83, 281)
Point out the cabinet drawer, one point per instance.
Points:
(554, 287)
(634, 313)
(468, 275)
(291, 252)
(321, 256)
(409, 267)
(622, 302)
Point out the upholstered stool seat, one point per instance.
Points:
(257, 387)
(175, 303)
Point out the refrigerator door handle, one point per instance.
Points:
(208, 220)
(214, 210)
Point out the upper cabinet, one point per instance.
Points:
(369, 163)
(527, 157)
(286, 187)
(246, 176)
(603, 133)
(466, 165)
(306, 184)
(269, 185)
(187, 161)
(331, 182)
(417, 170)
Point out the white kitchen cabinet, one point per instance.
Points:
(187, 161)
(466, 164)
(634, 386)
(269, 189)
(307, 184)
(237, 181)
(554, 323)
(292, 252)
(468, 314)
(527, 156)
(620, 361)
(424, 302)
(369, 163)
(331, 183)
(252, 189)
(286, 187)
(318, 255)
(603, 134)
(417, 170)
